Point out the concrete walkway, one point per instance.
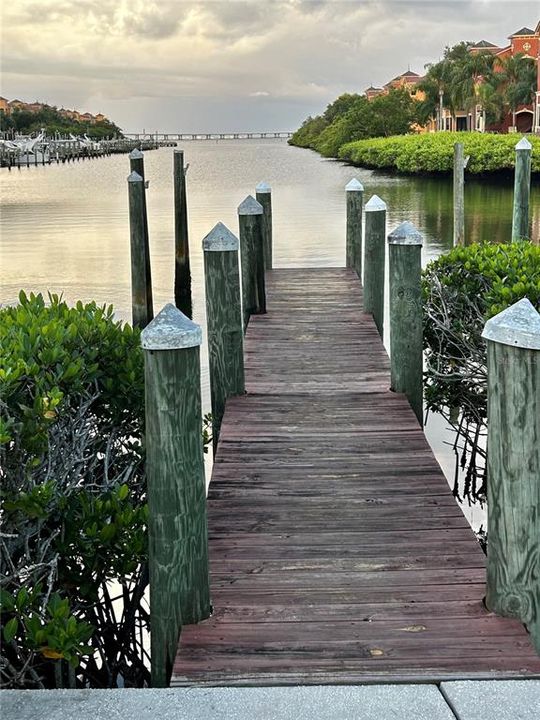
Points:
(462, 700)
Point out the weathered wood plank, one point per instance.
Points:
(337, 552)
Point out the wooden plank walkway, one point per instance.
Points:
(338, 554)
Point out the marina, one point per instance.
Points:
(25, 151)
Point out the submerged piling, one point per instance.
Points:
(224, 320)
(406, 331)
(139, 288)
(513, 465)
(136, 161)
(182, 271)
(252, 256)
(177, 524)
(354, 191)
(459, 194)
(374, 260)
(522, 190)
(263, 195)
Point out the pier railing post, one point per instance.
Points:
(263, 195)
(139, 286)
(374, 260)
(513, 464)
(522, 190)
(136, 161)
(459, 194)
(224, 319)
(406, 332)
(177, 525)
(182, 271)
(354, 191)
(252, 257)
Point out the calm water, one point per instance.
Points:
(64, 228)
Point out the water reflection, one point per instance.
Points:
(64, 228)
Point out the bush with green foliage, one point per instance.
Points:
(434, 152)
(73, 496)
(462, 289)
(352, 117)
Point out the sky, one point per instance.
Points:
(229, 65)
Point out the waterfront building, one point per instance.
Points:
(526, 42)
(406, 81)
(526, 118)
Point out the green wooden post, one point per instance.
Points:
(354, 191)
(263, 195)
(136, 161)
(406, 335)
(374, 260)
(522, 190)
(459, 194)
(513, 464)
(182, 271)
(224, 318)
(252, 256)
(177, 525)
(139, 299)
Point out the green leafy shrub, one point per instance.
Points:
(73, 496)
(352, 117)
(434, 152)
(462, 290)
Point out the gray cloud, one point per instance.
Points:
(148, 62)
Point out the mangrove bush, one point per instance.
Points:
(73, 549)
(462, 290)
(434, 152)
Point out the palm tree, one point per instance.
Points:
(467, 74)
(435, 87)
(516, 77)
(492, 100)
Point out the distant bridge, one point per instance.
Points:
(175, 137)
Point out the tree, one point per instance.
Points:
(340, 106)
(467, 74)
(435, 86)
(392, 114)
(492, 101)
(515, 77)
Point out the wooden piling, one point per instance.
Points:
(513, 464)
(406, 335)
(182, 271)
(354, 191)
(374, 260)
(522, 190)
(177, 525)
(459, 194)
(252, 256)
(136, 161)
(139, 300)
(224, 319)
(263, 195)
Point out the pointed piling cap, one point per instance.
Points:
(405, 234)
(220, 238)
(136, 154)
(134, 177)
(354, 185)
(523, 144)
(518, 325)
(262, 188)
(375, 204)
(171, 330)
(250, 206)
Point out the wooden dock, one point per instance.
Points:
(337, 552)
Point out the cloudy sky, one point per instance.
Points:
(229, 65)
